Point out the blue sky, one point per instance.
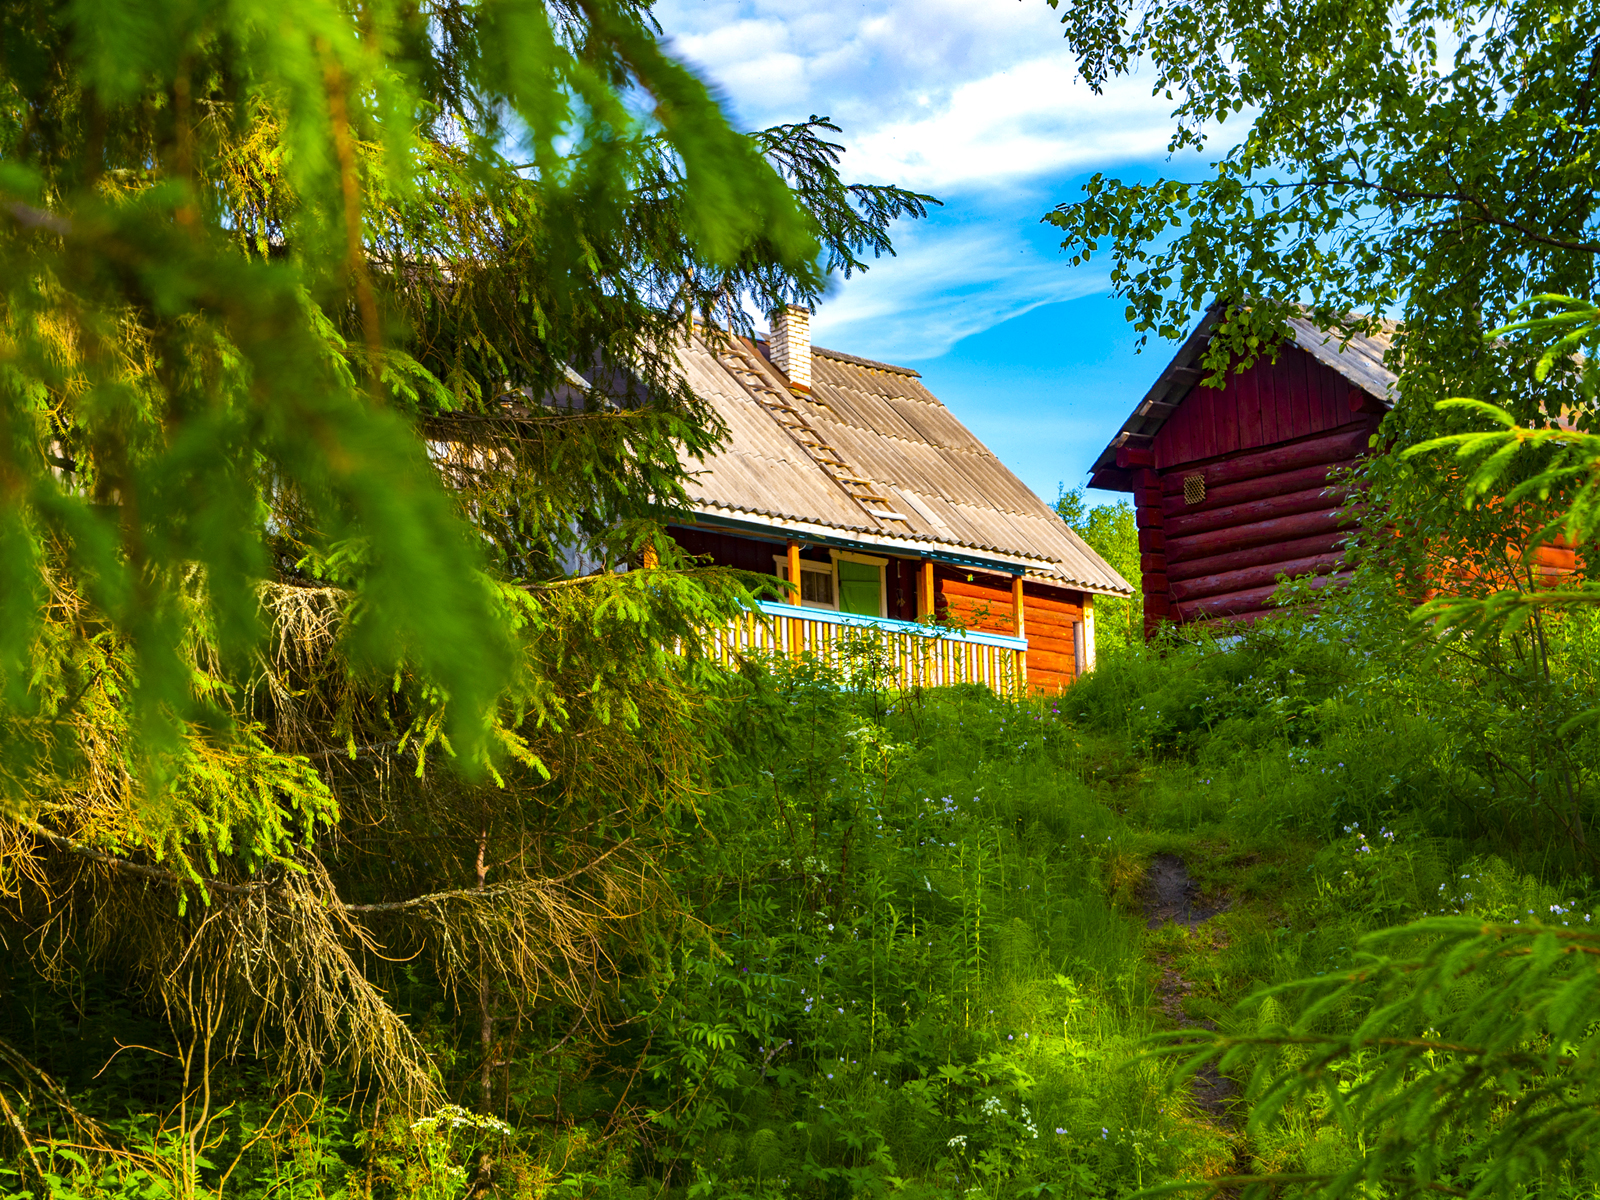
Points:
(976, 102)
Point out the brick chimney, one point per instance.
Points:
(790, 344)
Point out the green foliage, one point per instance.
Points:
(168, 389)
(246, 249)
(1558, 462)
(1453, 190)
(1433, 1060)
(913, 943)
(1470, 1066)
(904, 972)
(1449, 187)
(1111, 531)
(912, 989)
(330, 337)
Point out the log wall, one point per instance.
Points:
(1048, 617)
(1241, 484)
(974, 600)
(1271, 403)
(984, 602)
(1239, 487)
(1216, 550)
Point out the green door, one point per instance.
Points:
(858, 588)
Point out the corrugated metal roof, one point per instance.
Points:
(1360, 360)
(942, 489)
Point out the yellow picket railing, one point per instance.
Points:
(904, 653)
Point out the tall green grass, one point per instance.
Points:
(917, 961)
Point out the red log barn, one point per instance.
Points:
(1232, 485)
(851, 475)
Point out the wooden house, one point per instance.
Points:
(850, 478)
(1234, 486)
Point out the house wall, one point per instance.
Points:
(976, 600)
(1269, 449)
(1241, 485)
(1277, 510)
(1049, 615)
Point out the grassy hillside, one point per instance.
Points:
(917, 955)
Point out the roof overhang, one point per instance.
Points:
(1112, 471)
(781, 529)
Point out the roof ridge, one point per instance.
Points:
(841, 356)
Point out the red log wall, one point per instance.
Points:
(1268, 447)
(1270, 512)
(1293, 398)
(983, 602)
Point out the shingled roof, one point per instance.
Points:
(1359, 360)
(871, 456)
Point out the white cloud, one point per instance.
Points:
(975, 101)
(861, 62)
(1033, 120)
(929, 93)
(944, 286)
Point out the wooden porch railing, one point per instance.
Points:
(908, 654)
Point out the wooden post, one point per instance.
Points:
(925, 605)
(794, 572)
(1020, 665)
(1088, 632)
(794, 598)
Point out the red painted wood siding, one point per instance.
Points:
(1048, 615)
(1267, 511)
(1294, 397)
(1270, 447)
(983, 602)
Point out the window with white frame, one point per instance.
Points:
(817, 588)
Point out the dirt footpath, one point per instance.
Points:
(1170, 894)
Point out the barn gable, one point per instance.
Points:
(1295, 397)
(1318, 382)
